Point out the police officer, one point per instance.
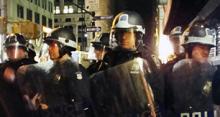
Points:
(176, 40)
(11, 101)
(116, 91)
(127, 36)
(191, 78)
(67, 93)
(101, 46)
(179, 54)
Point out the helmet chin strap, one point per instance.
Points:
(139, 40)
(61, 51)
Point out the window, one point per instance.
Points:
(65, 10)
(55, 20)
(38, 2)
(29, 14)
(20, 11)
(71, 10)
(69, 27)
(44, 20)
(81, 19)
(50, 23)
(57, 10)
(37, 18)
(50, 7)
(44, 4)
(68, 19)
(68, 9)
(81, 2)
(45, 7)
(35, 2)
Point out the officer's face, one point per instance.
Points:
(126, 39)
(99, 53)
(200, 52)
(15, 53)
(53, 51)
(175, 41)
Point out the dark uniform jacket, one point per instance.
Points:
(190, 90)
(11, 102)
(96, 67)
(216, 87)
(64, 89)
(118, 59)
(167, 76)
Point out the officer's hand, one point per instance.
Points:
(9, 74)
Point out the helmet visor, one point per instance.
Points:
(15, 52)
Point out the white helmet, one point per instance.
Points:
(176, 31)
(126, 21)
(202, 35)
(63, 36)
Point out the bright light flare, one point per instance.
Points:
(165, 48)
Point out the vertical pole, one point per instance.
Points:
(3, 13)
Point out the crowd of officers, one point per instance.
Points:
(126, 80)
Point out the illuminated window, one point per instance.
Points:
(57, 10)
(71, 10)
(65, 10)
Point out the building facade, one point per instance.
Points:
(36, 11)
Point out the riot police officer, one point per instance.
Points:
(127, 41)
(176, 41)
(126, 36)
(191, 78)
(122, 88)
(68, 89)
(11, 101)
(174, 37)
(101, 47)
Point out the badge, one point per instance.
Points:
(135, 68)
(79, 75)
